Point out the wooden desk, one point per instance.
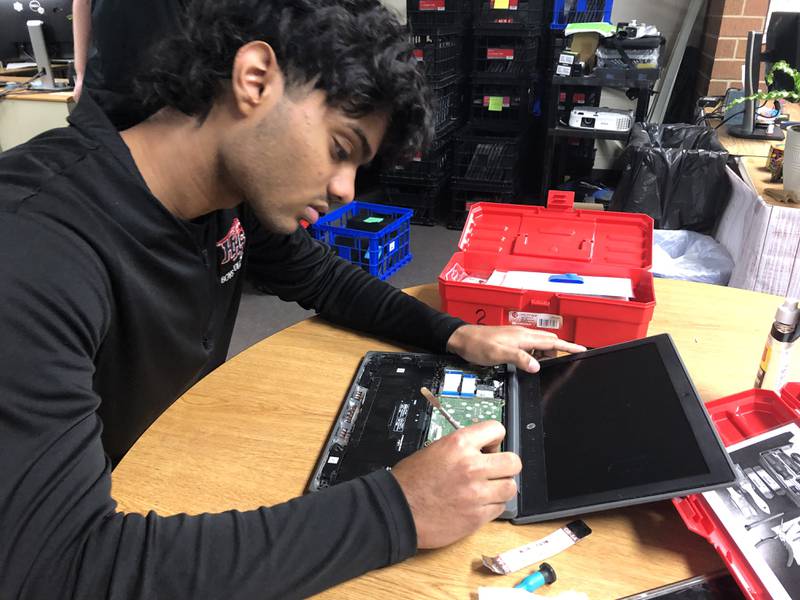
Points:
(249, 434)
(26, 114)
(754, 158)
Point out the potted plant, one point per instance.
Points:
(791, 154)
(791, 95)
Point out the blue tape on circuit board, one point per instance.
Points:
(452, 382)
(469, 384)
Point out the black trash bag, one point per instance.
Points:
(676, 174)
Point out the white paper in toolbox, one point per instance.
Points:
(607, 287)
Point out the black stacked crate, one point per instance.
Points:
(428, 15)
(528, 15)
(421, 183)
(502, 95)
(438, 50)
(438, 29)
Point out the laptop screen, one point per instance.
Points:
(614, 425)
(604, 433)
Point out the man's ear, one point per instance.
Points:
(256, 78)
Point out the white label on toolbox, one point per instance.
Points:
(564, 70)
(541, 320)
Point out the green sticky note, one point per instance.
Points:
(496, 103)
(373, 220)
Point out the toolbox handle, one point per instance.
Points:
(559, 200)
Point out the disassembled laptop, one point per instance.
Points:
(469, 393)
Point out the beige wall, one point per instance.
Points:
(398, 5)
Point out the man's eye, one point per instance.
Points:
(339, 151)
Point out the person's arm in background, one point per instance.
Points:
(300, 269)
(82, 33)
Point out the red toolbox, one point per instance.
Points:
(738, 418)
(556, 239)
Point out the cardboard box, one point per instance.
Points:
(585, 44)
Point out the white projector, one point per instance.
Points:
(601, 119)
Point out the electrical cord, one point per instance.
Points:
(729, 117)
(710, 116)
(717, 112)
(25, 85)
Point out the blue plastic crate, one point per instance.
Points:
(580, 11)
(381, 252)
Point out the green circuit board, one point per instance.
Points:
(466, 411)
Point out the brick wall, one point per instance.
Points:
(725, 40)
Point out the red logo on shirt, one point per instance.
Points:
(232, 245)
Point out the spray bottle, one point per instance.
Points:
(777, 351)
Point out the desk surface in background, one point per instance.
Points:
(37, 96)
(754, 158)
(25, 114)
(249, 434)
(5, 77)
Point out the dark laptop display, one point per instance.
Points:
(606, 428)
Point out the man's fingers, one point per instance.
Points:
(497, 491)
(525, 361)
(557, 344)
(484, 434)
(540, 333)
(538, 339)
(492, 448)
(490, 512)
(501, 465)
(565, 346)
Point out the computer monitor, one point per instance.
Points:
(749, 129)
(783, 43)
(15, 39)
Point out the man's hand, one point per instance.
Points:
(483, 345)
(458, 483)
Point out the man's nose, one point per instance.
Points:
(342, 188)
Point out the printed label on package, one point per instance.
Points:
(431, 5)
(540, 320)
(563, 70)
(504, 4)
(500, 53)
(496, 103)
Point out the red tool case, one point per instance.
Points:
(556, 239)
(738, 418)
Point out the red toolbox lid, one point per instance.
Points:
(560, 232)
(737, 418)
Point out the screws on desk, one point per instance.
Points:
(544, 576)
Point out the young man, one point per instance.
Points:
(121, 259)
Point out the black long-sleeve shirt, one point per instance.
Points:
(110, 308)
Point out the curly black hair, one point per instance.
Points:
(356, 51)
